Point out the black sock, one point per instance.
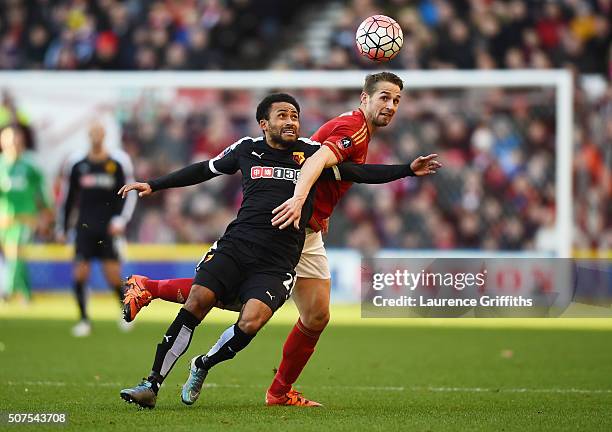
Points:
(81, 297)
(173, 345)
(232, 341)
(155, 379)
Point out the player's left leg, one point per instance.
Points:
(112, 274)
(80, 274)
(14, 238)
(254, 315)
(311, 296)
(111, 252)
(174, 344)
(263, 293)
(139, 291)
(215, 279)
(85, 249)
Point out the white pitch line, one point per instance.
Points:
(353, 388)
(510, 390)
(361, 388)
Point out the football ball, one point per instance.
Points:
(379, 38)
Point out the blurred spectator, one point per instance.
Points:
(11, 115)
(115, 35)
(24, 208)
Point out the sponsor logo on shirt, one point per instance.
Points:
(277, 173)
(104, 181)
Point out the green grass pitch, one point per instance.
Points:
(421, 375)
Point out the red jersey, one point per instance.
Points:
(348, 137)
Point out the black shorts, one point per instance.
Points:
(238, 271)
(90, 245)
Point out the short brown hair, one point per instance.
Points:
(372, 79)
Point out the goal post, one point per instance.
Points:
(30, 82)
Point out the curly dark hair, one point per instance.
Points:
(263, 109)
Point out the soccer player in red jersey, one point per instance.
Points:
(344, 138)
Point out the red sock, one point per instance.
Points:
(298, 348)
(173, 290)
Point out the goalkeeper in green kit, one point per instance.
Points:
(22, 197)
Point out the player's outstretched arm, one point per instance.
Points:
(143, 189)
(367, 173)
(188, 176)
(378, 173)
(290, 211)
(425, 165)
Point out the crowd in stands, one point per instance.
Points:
(141, 35)
(476, 34)
(497, 187)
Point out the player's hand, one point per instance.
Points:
(60, 237)
(116, 230)
(425, 165)
(288, 213)
(143, 189)
(116, 227)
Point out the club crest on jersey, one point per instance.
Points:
(277, 173)
(224, 152)
(344, 143)
(299, 157)
(110, 167)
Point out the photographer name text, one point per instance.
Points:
(421, 301)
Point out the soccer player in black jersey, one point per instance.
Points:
(91, 183)
(253, 263)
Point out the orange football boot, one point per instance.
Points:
(291, 398)
(135, 296)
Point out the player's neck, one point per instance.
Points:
(371, 127)
(97, 155)
(369, 122)
(11, 159)
(277, 145)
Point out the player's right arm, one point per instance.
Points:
(345, 141)
(188, 176)
(70, 192)
(291, 210)
(225, 163)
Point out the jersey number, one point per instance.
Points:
(207, 256)
(289, 283)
